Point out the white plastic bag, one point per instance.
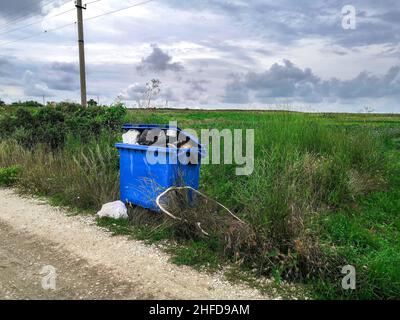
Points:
(115, 210)
(131, 137)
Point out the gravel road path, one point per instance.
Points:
(89, 262)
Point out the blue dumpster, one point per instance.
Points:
(142, 178)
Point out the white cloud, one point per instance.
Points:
(208, 41)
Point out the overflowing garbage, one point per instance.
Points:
(131, 137)
(114, 210)
(157, 137)
(154, 158)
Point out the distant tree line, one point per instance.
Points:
(28, 103)
(35, 104)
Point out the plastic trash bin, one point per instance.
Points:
(141, 181)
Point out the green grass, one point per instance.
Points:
(324, 193)
(198, 254)
(369, 236)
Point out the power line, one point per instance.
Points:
(36, 22)
(38, 34)
(94, 1)
(23, 17)
(19, 19)
(10, 15)
(90, 18)
(118, 10)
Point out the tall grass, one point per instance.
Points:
(302, 168)
(85, 177)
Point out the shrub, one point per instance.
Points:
(51, 126)
(9, 175)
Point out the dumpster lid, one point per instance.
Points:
(129, 126)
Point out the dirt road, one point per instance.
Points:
(88, 262)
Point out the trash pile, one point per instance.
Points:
(131, 137)
(157, 137)
(114, 210)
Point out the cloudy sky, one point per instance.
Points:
(207, 53)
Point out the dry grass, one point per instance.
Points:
(86, 179)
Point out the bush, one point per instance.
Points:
(51, 126)
(9, 175)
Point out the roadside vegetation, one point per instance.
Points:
(325, 191)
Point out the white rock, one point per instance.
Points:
(115, 210)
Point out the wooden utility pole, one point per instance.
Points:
(81, 43)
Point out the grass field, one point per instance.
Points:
(325, 192)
